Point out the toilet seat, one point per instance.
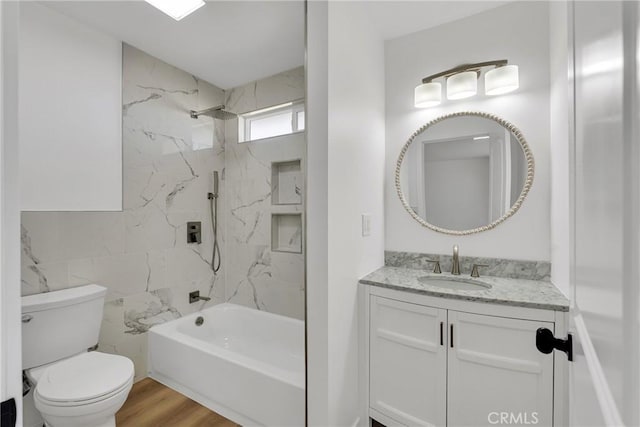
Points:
(84, 379)
(83, 414)
(74, 403)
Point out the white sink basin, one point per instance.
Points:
(456, 284)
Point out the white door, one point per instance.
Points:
(496, 375)
(605, 377)
(408, 362)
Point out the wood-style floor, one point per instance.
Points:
(151, 404)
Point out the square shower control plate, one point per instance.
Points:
(194, 296)
(194, 232)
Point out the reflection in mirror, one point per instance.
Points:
(464, 173)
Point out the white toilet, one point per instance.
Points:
(73, 386)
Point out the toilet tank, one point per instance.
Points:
(59, 324)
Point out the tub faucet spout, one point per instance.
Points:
(195, 297)
(455, 262)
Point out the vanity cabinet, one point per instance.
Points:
(439, 362)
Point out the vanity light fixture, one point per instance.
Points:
(177, 9)
(462, 82)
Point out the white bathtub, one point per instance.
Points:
(245, 364)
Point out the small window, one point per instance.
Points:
(278, 120)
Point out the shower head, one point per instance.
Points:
(215, 112)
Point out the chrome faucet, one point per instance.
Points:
(455, 262)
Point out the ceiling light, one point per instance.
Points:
(501, 80)
(462, 85)
(428, 95)
(478, 138)
(177, 9)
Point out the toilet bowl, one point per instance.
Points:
(84, 390)
(73, 386)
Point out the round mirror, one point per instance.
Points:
(463, 173)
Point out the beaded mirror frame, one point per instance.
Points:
(525, 189)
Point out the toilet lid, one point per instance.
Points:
(86, 376)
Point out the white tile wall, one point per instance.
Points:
(141, 254)
(255, 275)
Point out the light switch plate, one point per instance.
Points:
(366, 224)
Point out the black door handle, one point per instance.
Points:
(546, 343)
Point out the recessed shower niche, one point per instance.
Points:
(286, 196)
(286, 232)
(286, 183)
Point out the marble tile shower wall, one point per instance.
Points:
(259, 275)
(141, 254)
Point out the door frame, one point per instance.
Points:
(10, 307)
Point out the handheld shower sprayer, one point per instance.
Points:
(213, 204)
(215, 183)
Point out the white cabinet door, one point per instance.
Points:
(496, 375)
(408, 362)
(70, 114)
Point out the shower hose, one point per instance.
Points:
(215, 257)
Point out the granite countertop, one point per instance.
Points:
(507, 291)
